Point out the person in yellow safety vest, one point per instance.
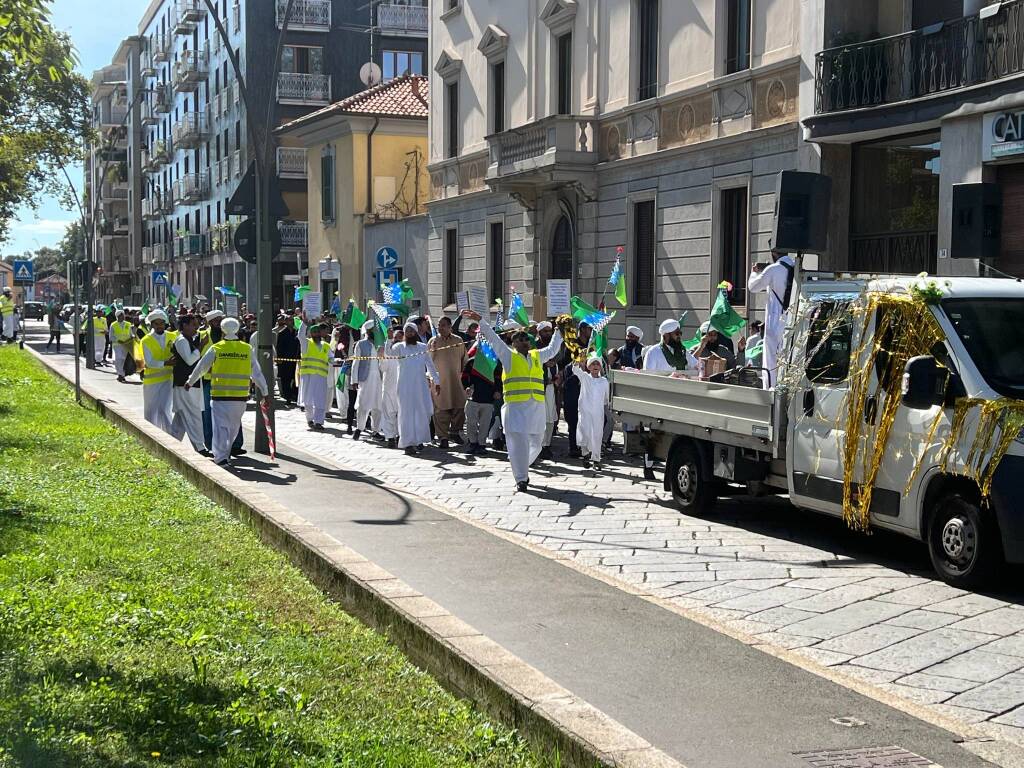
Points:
(7, 315)
(524, 414)
(314, 373)
(157, 351)
(99, 337)
(232, 364)
(121, 336)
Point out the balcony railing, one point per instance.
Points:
(192, 187)
(116, 227)
(291, 163)
(147, 67)
(113, 117)
(191, 130)
(160, 45)
(314, 15)
(236, 163)
(406, 20)
(188, 13)
(304, 88)
(152, 207)
(943, 57)
(236, 17)
(163, 100)
(190, 246)
(295, 235)
(190, 70)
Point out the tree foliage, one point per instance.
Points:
(44, 108)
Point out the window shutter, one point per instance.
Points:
(643, 224)
(327, 186)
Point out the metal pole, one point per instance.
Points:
(74, 341)
(264, 286)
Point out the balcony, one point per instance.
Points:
(301, 88)
(147, 255)
(113, 116)
(188, 13)
(403, 20)
(291, 163)
(160, 45)
(114, 227)
(926, 63)
(152, 207)
(191, 131)
(295, 235)
(190, 246)
(190, 71)
(115, 186)
(191, 188)
(147, 114)
(552, 152)
(307, 15)
(153, 160)
(147, 66)
(236, 163)
(163, 99)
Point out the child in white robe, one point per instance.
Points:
(594, 396)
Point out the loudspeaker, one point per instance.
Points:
(977, 221)
(802, 202)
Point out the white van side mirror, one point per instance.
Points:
(924, 383)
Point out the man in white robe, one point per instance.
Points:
(366, 377)
(668, 356)
(227, 414)
(389, 367)
(415, 406)
(187, 404)
(121, 339)
(545, 330)
(7, 314)
(775, 280)
(156, 351)
(524, 423)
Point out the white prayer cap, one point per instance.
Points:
(156, 314)
(594, 359)
(705, 327)
(213, 315)
(635, 331)
(368, 325)
(543, 325)
(411, 326)
(119, 313)
(229, 327)
(7, 289)
(668, 326)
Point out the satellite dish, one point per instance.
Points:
(370, 74)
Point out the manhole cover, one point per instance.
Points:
(867, 757)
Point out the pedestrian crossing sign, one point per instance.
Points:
(23, 273)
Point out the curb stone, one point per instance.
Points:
(468, 663)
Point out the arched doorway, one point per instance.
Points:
(562, 247)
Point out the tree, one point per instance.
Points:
(44, 108)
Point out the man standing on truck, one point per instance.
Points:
(777, 281)
(668, 356)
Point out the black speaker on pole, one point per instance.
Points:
(802, 202)
(977, 221)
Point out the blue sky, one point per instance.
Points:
(96, 29)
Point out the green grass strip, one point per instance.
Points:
(140, 624)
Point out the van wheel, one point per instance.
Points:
(963, 543)
(692, 490)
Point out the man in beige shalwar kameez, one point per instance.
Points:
(448, 352)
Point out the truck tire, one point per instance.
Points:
(963, 542)
(692, 488)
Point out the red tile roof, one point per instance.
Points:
(403, 97)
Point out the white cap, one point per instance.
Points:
(368, 325)
(7, 289)
(411, 326)
(229, 327)
(543, 325)
(668, 326)
(594, 359)
(213, 315)
(119, 313)
(635, 331)
(705, 327)
(156, 314)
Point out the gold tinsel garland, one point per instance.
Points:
(982, 460)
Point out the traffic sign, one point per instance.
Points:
(159, 277)
(387, 257)
(245, 241)
(23, 273)
(243, 202)
(388, 276)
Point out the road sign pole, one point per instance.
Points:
(265, 312)
(90, 342)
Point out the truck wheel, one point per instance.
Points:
(692, 490)
(963, 543)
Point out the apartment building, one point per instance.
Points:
(187, 118)
(563, 129)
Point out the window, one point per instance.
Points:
(302, 60)
(733, 239)
(737, 56)
(327, 185)
(397, 63)
(564, 84)
(647, 49)
(497, 244)
(451, 264)
(829, 338)
(643, 249)
(451, 107)
(498, 97)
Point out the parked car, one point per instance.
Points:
(33, 310)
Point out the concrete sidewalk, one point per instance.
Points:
(699, 695)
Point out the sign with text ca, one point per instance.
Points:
(1002, 135)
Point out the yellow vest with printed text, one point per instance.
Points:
(122, 331)
(315, 360)
(523, 381)
(164, 373)
(231, 369)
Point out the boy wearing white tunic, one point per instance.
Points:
(389, 391)
(314, 374)
(415, 406)
(524, 414)
(594, 396)
(366, 377)
(156, 380)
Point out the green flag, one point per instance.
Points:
(601, 342)
(145, 309)
(580, 309)
(693, 343)
(485, 362)
(354, 317)
(724, 318)
(339, 383)
(297, 322)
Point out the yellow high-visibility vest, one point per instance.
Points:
(122, 331)
(6, 305)
(231, 369)
(159, 375)
(315, 360)
(99, 326)
(523, 381)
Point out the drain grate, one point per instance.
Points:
(867, 757)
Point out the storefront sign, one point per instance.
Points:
(1002, 135)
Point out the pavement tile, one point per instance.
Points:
(765, 599)
(868, 639)
(1014, 717)
(845, 620)
(1000, 695)
(720, 593)
(781, 616)
(824, 583)
(968, 605)
(873, 676)
(923, 651)
(832, 599)
(921, 619)
(823, 657)
(936, 682)
(963, 714)
(923, 594)
(978, 665)
(783, 640)
(920, 695)
(1012, 645)
(749, 627)
(1002, 621)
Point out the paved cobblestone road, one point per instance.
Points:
(868, 606)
